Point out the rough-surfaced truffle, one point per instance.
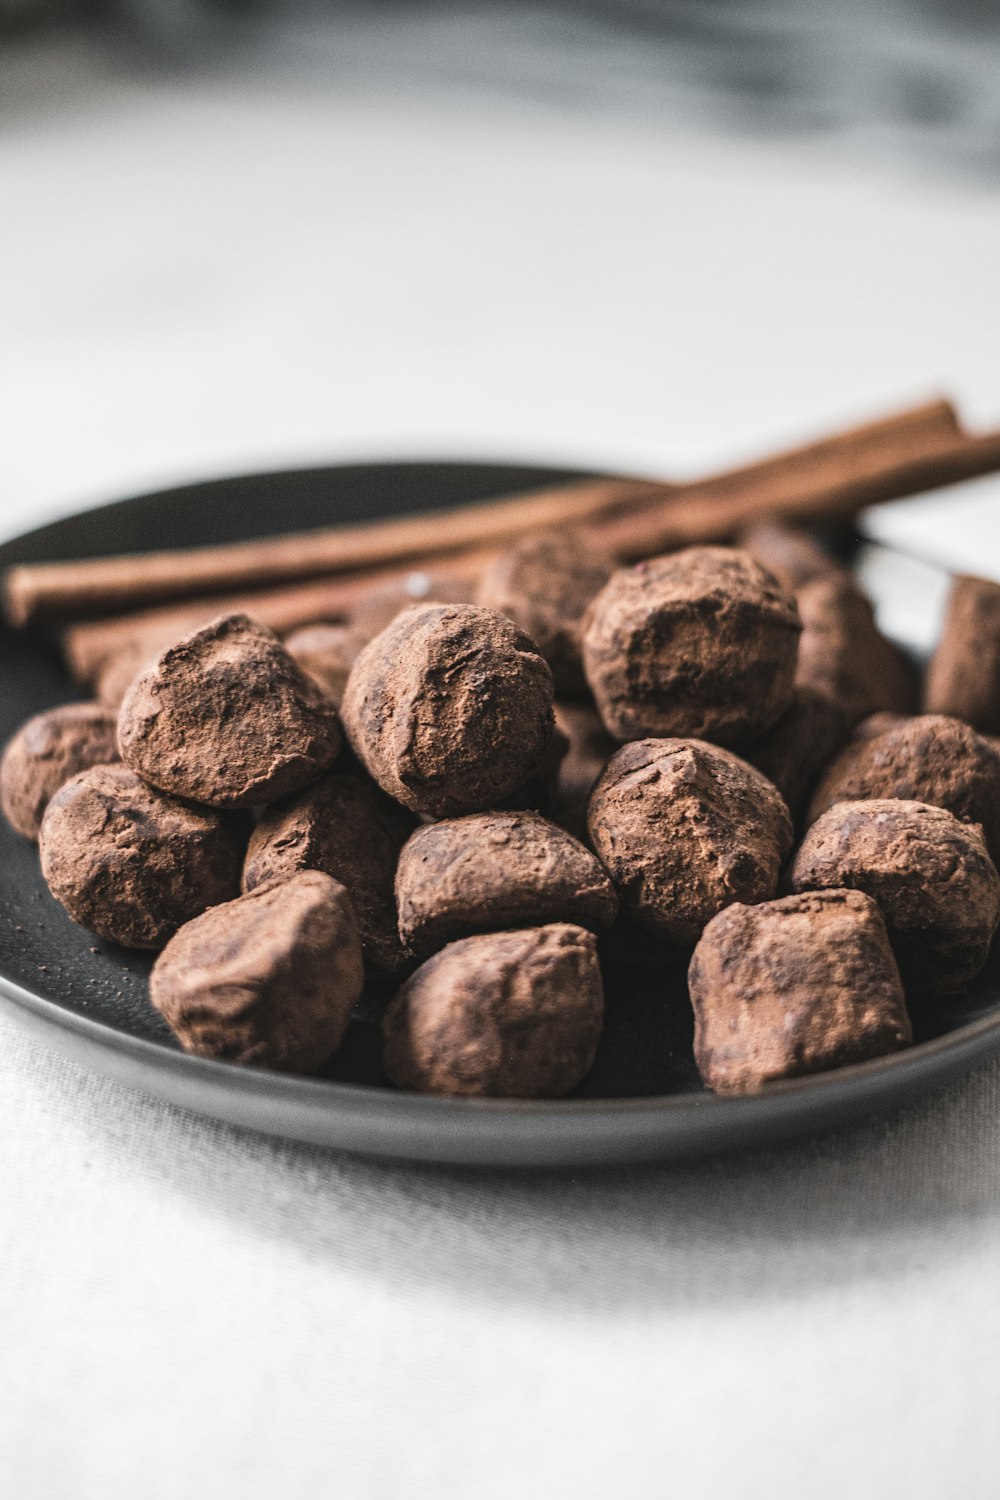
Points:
(794, 751)
(545, 583)
(225, 717)
(685, 828)
(698, 643)
(963, 678)
(931, 876)
(794, 986)
(326, 653)
(346, 827)
(130, 863)
(927, 759)
(844, 654)
(449, 709)
(493, 870)
(267, 980)
(45, 752)
(505, 1015)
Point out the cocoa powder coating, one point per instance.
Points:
(449, 709)
(685, 828)
(843, 653)
(326, 653)
(930, 875)
(267, 980)
(794, 986)
(346, 827)
(225, 717)
(926, 759)
(700, 643)
(45, 752)
(963, 678)
(503, 1015)
(545, 583)
(489, 871)
(131, 863)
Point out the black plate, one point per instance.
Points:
(642, 1100)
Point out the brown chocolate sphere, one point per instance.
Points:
(545, 583)
(45, 752)
(685, 828)
(507, 1015)
(792, 987)
(130, 863)
(489, 871)
(267, 980)
(326, 653)
(926, 759)
(843, 653)
(698, 643)
(931, 876)
(227, 718)
(963, 678)
(346, 827)
(449, 709)
(799, 746)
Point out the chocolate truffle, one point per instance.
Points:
(226, 717)
(794, 986)
(326, 653)
(268, 980)
(130, 863)
(794, 751)
(931, 876)
(699, 643)
(117, 675)
(685, 828)
(449, 709)
(589, 748)
(45, 752)
(545, 583)
(927, 759)
(791, 554)
(506, 1015)
(876, 724)
(963, 678)
(346, 827)
(844, 654)
(494, 870)
(379, 606)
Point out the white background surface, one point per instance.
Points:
(205, 277)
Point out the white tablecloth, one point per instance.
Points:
(232, 272)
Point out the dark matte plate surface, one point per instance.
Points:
(643, 1099)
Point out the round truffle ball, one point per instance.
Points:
(225, 717)
(267, 980)
(799, 746)
(963, 678)
(545, 583)
(494, 870)
(926, 759)
(130, 863)
(507, 1015)
(843, 653)
(794, 986)
(685, 828)
(449, 709)
(931, 876)
(699, 643)
(346, 827)
(45, 752)
(326, 653)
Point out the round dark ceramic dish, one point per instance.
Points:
(642, 1101)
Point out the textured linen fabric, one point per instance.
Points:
(219, 274)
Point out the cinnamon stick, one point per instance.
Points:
(74, 590)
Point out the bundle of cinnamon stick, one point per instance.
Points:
(133, 605)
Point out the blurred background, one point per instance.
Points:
(662, 236)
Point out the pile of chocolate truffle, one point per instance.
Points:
(454, 799)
